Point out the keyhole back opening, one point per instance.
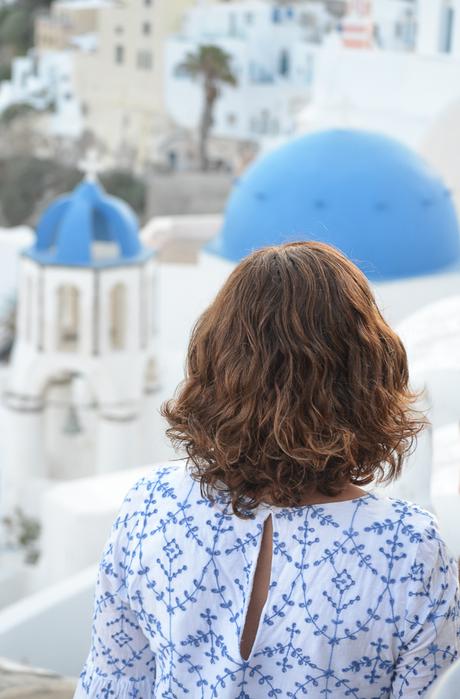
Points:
(259, 591)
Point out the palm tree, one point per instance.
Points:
(213, 66)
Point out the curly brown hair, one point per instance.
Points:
(294, 383)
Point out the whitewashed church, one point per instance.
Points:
(85, 342)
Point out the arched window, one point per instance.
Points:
(68, 318)
(118, 316)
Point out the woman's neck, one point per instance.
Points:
(350, 492)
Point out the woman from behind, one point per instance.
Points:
(260, 567)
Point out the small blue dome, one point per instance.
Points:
(365, 193)
(69, 227)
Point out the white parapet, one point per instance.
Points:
(77, 517)
(51, 628)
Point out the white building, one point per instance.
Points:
(46, 82)
(45, 77)
(83, 362)
(121, 84)
(272, 51)
(397, 91)
(380, 24)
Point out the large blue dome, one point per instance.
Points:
(365, 193)
(70, 226)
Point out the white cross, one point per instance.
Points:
(91, 165)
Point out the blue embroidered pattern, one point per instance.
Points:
(363, 600)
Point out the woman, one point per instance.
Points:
(263, 569)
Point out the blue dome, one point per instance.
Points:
(366, 194)
(69, 227)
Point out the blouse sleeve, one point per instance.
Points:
(432, 639)
(120, 663)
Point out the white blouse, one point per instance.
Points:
(363, 600)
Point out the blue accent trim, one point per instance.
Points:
(68, 228)
(47, 260)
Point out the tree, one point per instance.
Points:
(28, 184)
(8, 310)
(126, 186)
(17, 24)
(15, 111)
(213, 66)
(16, 29)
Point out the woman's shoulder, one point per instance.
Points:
(163, 485)
(407, 522)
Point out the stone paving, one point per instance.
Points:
(22, 682)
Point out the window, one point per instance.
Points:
(144, 60)
(284, 63)
(68, 318)
(447, 26)
(147, 28)
(119, 54)
(118, 317)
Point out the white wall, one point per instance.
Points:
(77, 517)
(398, 94)
(52, 628)
(434, 17)
(12, 241)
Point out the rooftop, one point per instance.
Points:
(88, 228)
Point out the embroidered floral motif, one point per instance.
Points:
(363, 600)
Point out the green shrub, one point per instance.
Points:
(14, 111)
(126, 186)
(5, 71)
(27, 183)
(17, 29)
(17, 24)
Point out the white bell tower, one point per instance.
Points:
(85, 311)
